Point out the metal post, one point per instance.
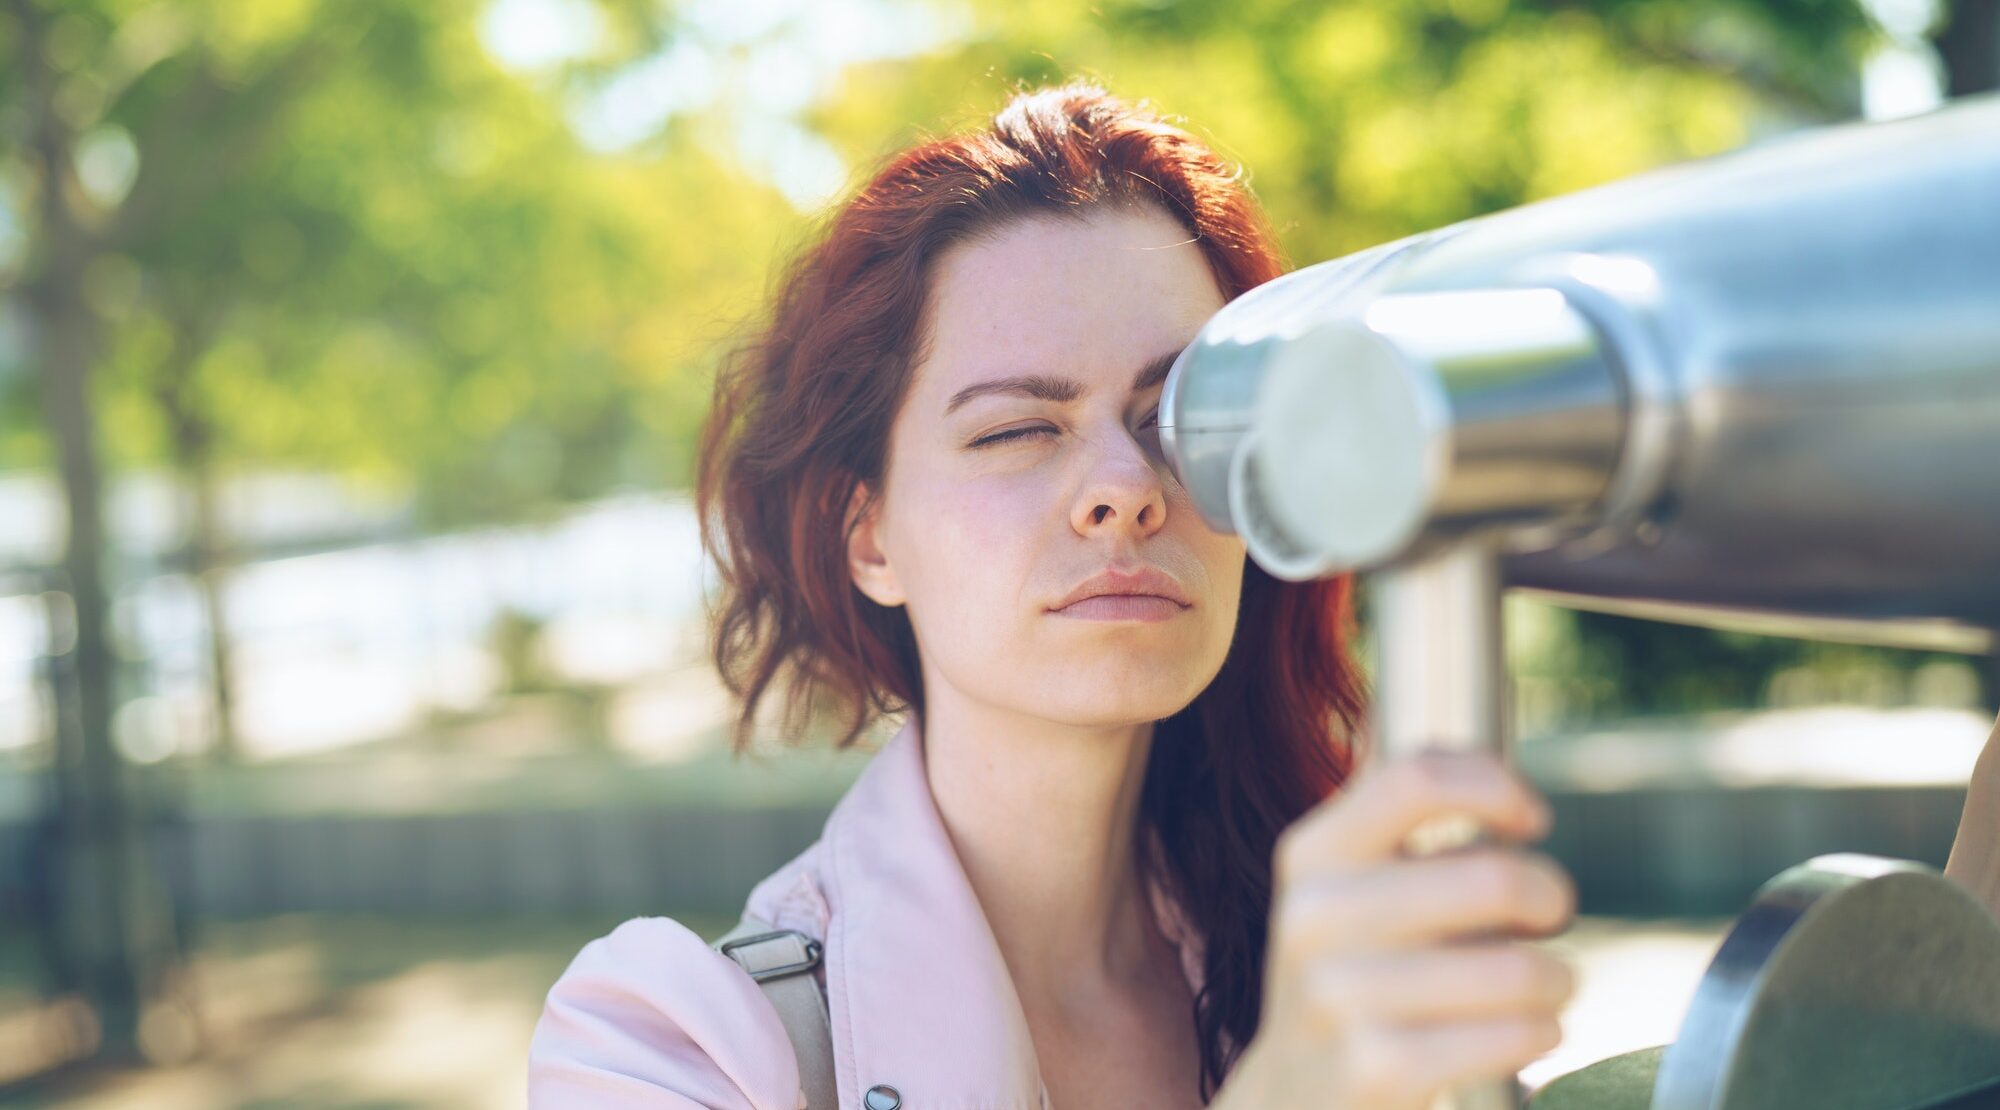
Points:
(1440, 683)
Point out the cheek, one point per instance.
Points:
(1224, 561)
(973, 544)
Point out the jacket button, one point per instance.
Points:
(882, 1097)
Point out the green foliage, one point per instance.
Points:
(1570, 666)
(354, 241)
(1360, 122)
(338, 234)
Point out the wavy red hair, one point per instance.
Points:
(802, 414)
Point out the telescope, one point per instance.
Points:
(1757, 391)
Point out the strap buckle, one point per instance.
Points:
(811, 960)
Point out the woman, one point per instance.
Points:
(1113, 856)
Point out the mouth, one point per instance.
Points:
(1123, 607)
(1135, 588)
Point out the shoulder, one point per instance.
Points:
(794, 896)
(650, 1015)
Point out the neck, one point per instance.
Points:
(1044, 819)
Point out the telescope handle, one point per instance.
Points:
(1439, 684)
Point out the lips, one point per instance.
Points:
(1134, 581)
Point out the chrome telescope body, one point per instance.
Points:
(1758, 390)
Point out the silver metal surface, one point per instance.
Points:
(1852, 982)
(1438, 683)
(1476, 414)
(1205, 408)
(1802, 345)
(1762, 389)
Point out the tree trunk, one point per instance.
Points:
(205, 556)
(97, 876)
(111, 911)
(1969, 46)
(208, 565)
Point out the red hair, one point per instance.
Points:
(802, 415)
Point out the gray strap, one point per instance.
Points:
(782, 961)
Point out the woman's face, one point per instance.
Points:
(998, 502)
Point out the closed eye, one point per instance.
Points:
(1018, 433)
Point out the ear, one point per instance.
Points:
(865, 561)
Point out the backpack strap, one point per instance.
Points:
(781, 961)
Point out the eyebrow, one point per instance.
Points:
(1045, 387)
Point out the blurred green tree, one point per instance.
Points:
(332, 234)
(341, 236)
(1365, 121)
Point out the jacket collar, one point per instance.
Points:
(918, 992)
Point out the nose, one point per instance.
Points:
(1121, 490)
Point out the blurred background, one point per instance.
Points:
(351, 354)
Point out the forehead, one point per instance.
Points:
(1090, 296)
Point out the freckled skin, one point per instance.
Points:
(979, 542)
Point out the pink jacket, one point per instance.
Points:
(919, 996)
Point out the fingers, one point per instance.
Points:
(1483, 981)
(1419, 901)
(1371, 817)
(1386, 973)
(1408, 1065)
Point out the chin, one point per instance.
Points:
(1087, 697)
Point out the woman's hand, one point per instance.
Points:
(1374, 997)
(1974, 862)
